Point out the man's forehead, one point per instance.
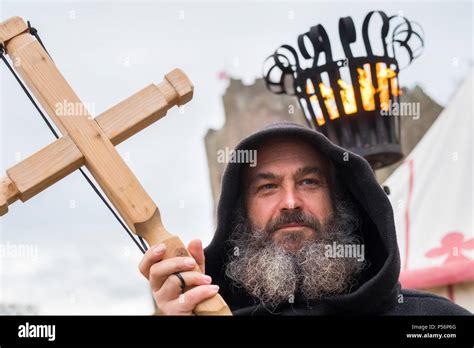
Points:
(282, 154)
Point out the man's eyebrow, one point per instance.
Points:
(308, 170)
(262, 176)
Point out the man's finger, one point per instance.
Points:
(152, 256)
(190, 299)
(163, 269)
(171, 288)
(196, 251)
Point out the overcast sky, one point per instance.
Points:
(85, 263)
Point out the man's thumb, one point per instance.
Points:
(197, 252)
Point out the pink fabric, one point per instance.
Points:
(449, 273)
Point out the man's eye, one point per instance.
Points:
(266, 187)
(310, 182)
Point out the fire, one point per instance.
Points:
(348, 97)
(385, 80)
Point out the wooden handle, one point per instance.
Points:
(213, 306)
(154, 233)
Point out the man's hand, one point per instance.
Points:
(166, 287)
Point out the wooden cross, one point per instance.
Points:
(90, 141)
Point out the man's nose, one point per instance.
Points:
(290, 200)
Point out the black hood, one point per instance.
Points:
(378, 286)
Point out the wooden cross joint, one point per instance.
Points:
(91, 142)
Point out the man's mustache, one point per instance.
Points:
(293, 217)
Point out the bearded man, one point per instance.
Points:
(305, 231)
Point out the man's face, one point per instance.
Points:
(288, 220)
(290, 176)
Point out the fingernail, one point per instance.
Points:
(214, 287)
(207, 279)
(159, 248)
(189, 262)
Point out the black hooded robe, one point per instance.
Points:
(378, 290)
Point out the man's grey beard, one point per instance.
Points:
(273, 274)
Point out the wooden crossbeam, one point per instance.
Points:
(90, 142)
(30, 176)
